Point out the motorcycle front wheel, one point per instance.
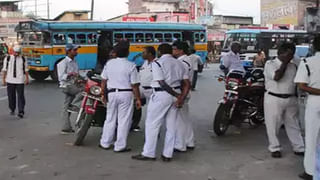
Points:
(221, 120)
(82, 129)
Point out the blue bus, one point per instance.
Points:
(43, 42)
(253, 40)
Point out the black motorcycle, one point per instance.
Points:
(242, 101)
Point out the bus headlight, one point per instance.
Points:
(95, 90)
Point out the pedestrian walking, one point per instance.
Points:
(120, 77)
(69, 82)
(196, 63)
(145, 74)
(308, 81)
(15, 77)
(184, 129)
(169, 78)
(280, 101)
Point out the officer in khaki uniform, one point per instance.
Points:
(308, 81)
(145, 75)
(121, 79)
(184, 130)
(168, 74)
(280, 101)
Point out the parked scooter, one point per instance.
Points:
(242, 101)
(92, 112)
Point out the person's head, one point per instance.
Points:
(149, 53)
(286, 51)
(180, 48)
(316, 43)
(164, 49)
(236, 47)
(122, 49)
(72, 50)
(17, 50)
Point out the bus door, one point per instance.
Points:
(105, 44)
(188, 36)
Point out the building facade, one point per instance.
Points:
(284, 12)
(76, 15)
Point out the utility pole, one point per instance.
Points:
(92, 9)
(48, 9)
(35, 8)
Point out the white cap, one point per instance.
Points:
(17, 49)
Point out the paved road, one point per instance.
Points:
(33, 149)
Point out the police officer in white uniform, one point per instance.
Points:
(280, 102)
(184, 130)
(122, 82)
(168, 74)
(308, 80)
(196, 61)
(15, 76)
(231, 60)
(145, 74)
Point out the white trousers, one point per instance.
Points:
(312, 121)
(161, 109)
(119, 114)
(184, 128)
(145, 93)
(280, 111)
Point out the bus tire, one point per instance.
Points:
(39, 75)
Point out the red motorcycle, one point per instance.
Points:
(242, 101)
(92, 112)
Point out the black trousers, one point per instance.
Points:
(14, 90)
(194, 79)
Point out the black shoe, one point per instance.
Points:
(142, 158)
(178, 151)
(136, 129)
(68, 131)
(299, 153)
(165, 159)
(124, 150)
(12, 113)
(20, 114)
(276, 154)
(104, 148)
(73, 109)
(190, 148)
(305, 176)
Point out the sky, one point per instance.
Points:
(106, 9)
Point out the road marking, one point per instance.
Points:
(3, 98)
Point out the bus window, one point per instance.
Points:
(129, 36)
(81, 39)
(139, 37)
(168, 37)
(118, 37)
(158, 37)
(59, 39)
(202, 37)
(71, 38)
(149, 37)
(177, 37)
(46, 38)
(196, 37)
(92, 38)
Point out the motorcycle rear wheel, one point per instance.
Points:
(82, 129)
(221, 120)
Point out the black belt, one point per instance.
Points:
(118, 90)
(161, 89)
(146, 87)
(284, 96)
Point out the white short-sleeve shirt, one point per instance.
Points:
(286, 84)
(232, 61)
(314, 65)
(168, 69)
(19, 77)
(145, 74)
(187, 62)
(120, 73)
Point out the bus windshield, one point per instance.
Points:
(248, 41)
(35, 38)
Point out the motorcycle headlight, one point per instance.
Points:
(95, 90)
(233, 85)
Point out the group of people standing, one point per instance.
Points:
(163, 83)
(285, 79)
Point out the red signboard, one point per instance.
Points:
(193, 11)
(138, 19)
